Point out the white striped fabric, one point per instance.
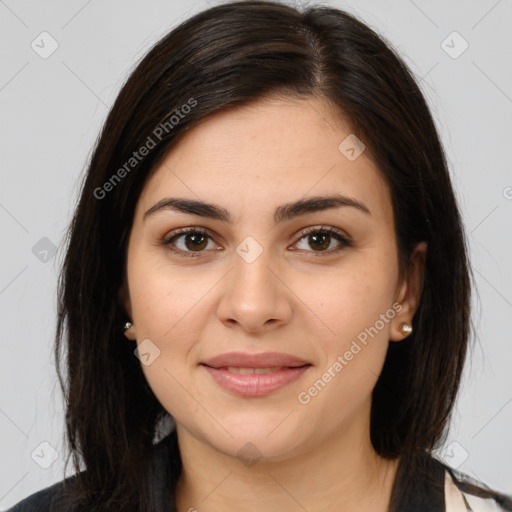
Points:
(454, 499)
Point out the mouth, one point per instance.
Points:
(254, 382)
(249, 371)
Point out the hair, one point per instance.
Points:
(227, 56)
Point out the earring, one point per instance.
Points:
(405, 328)
(128, 330)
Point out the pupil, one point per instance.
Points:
(325, 237)
(196, 240)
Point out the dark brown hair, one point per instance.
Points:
(223, 57)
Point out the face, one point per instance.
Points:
(319, 283)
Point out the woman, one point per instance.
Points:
(269, 214)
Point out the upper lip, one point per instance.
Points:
(264, 360)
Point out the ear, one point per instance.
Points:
(123, 297)
(409, 292)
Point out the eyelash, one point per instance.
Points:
(308, 231)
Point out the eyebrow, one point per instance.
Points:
(282, 213)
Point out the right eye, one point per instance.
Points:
(192, 240)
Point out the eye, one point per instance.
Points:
(194, 241)
(322, 237)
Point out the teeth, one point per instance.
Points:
(248, 371)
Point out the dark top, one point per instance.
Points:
(428, 487)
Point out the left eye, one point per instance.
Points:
(321, 238)
(195, 240)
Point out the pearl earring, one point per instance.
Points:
(405, 328)
(128, 331)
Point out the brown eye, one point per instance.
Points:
(319, 240)
(195, 241)
(188, 241)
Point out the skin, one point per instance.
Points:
(249, 160)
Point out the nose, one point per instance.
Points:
(255, 298)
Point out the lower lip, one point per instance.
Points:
(255, 384)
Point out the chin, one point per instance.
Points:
(259, 440)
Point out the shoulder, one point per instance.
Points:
(464, 493)
(42, 500)
(162, 472)
(39, 501)
(428, 483)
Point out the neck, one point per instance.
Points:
(340, 473)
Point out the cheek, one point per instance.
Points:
(163, 296)
(355, 306)
(167, 310)
(349, 301)
(357, 311)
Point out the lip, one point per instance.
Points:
(254, 385)
(291, 369)
(263, 360)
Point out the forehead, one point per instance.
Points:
(267, 153)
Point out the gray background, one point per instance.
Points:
(52, 110)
